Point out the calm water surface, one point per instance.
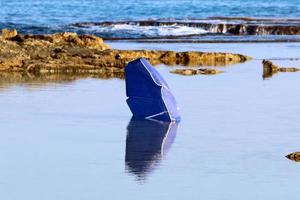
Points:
(74, 140)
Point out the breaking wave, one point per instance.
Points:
(215, 29)
(135, 30)
(192, 27)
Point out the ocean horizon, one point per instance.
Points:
(167, 21)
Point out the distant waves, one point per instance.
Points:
(219, 25)
(216, 29)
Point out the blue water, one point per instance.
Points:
(49, 16)
(69, 140)
(54, 12)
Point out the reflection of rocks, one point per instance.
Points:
(269, 69)
(294, 156)
(72, 53)
(12, 78)
(189, 72)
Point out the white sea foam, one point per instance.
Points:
(146, 31)
(191, 27)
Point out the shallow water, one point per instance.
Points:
(68, 140)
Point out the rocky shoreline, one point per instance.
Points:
(72, 53)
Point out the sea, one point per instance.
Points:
(157, 21)
(67, 136)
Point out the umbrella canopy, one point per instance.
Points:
(149, 96)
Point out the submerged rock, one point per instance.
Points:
(288, 69)
(189, 72)
(269, 69)
(72, 53)
(294, 156)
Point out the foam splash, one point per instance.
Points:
(193, 27)
(212, 29)
(137, 31)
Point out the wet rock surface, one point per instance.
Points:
(72, 53)
(190, 72)
(294, 156)
(269, 69)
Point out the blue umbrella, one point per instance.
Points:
(149, 96)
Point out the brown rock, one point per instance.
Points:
(72, 53)
(65, 39)
(269, 66)
(269, 69)
(7, 34)
(294, 156)
(196, 71)
(187, 72)
(288, 69)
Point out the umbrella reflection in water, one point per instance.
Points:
(147, 143)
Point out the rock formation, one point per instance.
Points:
(72, 53)
(7, 34)
(189, 72)
(269, 69)
(294, 156)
